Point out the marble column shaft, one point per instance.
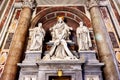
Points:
(103, 44)
(17, 46)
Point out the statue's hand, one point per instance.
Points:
(57, 42)
(71, 28)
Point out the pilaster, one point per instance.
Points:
(105, 51)
(18, 42)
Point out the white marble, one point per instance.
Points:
(37, 38)
(83, 37)
(60, 35)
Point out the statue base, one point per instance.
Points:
(86, 67)
(32, 56)
(48, 69)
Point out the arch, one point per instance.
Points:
(48, 16)
(75, 12)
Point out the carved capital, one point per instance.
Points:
(91, 3)
(29, 3)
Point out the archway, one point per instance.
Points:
(50, 14)
(48, 18)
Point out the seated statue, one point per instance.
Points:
(62, 27)
(37, 38)
(60, 34)
(83, 37)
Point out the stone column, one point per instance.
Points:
(105, 51)
(18, 43)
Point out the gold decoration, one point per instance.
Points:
(60, 73)
(60, 17)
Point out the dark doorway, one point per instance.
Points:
(59, 78)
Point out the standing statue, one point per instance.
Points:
(83, 37)
(60, 33)
(37, 38)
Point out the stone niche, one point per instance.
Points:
(74, 65)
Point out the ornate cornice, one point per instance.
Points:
(29, 3)
(92, 3)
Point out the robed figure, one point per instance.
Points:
(60, 34)
(83, 37)
(37, 38)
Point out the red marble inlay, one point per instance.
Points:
(18, 0)
(1, 2)
(60, 14)
(78, 19)
(43, 19)
(113, 39)
(40, 8)
(81, 8)
(60, 11)
(115, 11)
(70, 15)
(17, 14)
(49, 16)
(6, 13)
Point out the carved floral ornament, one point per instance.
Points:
(29, 3)
(91, 3)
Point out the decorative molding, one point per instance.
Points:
(6, 25)
(29, 3)
(92, 3)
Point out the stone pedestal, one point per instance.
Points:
(32, 56)
(92, 67)
(69, 68)
(29, 68)
(29, 71)
(90, 56)
(84, 68)
(93, 70)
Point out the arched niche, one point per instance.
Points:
(48, 17)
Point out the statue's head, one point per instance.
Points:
(81, 23)
(60, 19)
(39, 24)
